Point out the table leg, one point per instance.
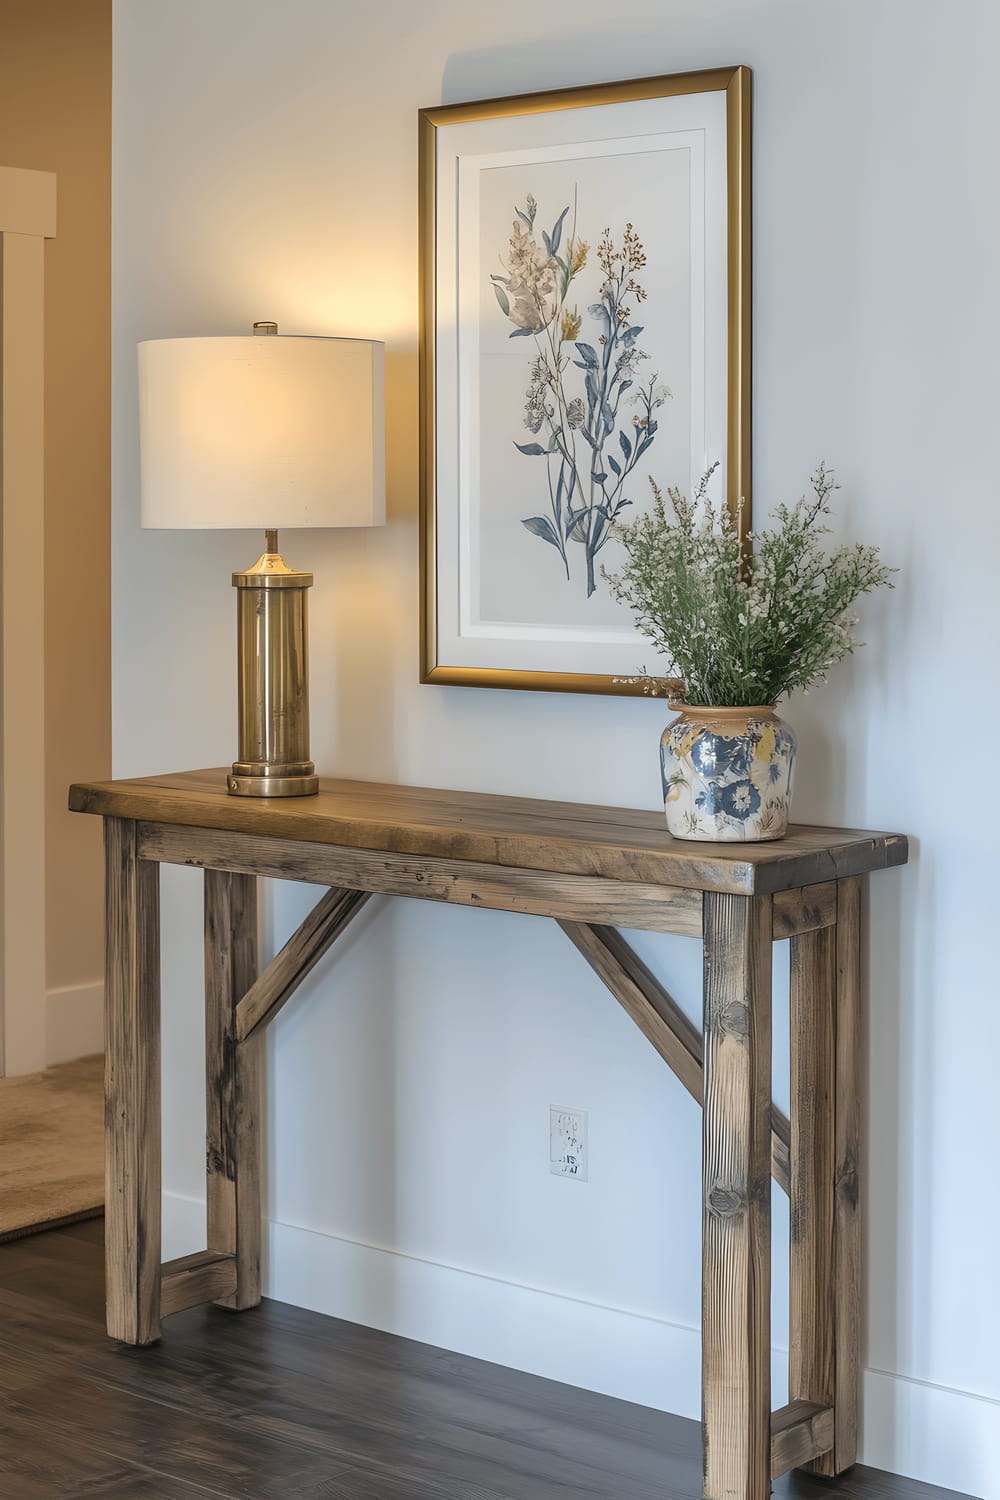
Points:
(233, 1082)
(824, 1269)
(132, 1087)
(736, 1217)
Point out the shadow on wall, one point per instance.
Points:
(354, 613)
(550, 63)
(401, 436)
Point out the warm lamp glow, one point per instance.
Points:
(264, 432)
(261, 432)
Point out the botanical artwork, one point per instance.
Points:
(589, 403)
(585, 313)
(728, 787)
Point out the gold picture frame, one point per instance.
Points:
(735, 83)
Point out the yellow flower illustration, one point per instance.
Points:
(571, 323)
(765, 746)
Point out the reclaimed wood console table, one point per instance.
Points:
(593, 869)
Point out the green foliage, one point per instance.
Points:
(743, 629)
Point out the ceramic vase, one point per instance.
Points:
(727, 774)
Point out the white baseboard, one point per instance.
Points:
(74, 1022)
(933, 1433)
(601, 1348)
(925, 1432)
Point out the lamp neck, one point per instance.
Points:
(265, 329)
(270, 571)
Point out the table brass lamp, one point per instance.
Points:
(272, 433)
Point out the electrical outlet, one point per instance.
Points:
(568, 1142)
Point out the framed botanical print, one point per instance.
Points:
(585, 329)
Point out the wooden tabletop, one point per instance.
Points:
(563, 837)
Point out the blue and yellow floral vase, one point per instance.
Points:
(727, 774)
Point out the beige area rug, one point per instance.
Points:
(51, 1147)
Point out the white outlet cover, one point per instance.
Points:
(568, 1155)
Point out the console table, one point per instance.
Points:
(592, 869)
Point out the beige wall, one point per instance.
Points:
(55, 115)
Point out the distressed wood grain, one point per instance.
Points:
(806, 909)
(331, 915)
(132, 1088)
(799, 1431)
(232, 1083)
(458, 882)
(736, 1217)
(812, 1000)
(567, 838)
(847, 1181)
(205, 1276)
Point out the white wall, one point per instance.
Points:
(265, 163)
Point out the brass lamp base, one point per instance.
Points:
(272, 649)
(243, 782)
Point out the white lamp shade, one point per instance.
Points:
(261, 431)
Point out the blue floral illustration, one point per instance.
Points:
(710, 799)
(714, 755)
(589, 444)
(740, 799)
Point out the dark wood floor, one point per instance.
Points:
(284, 1403)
